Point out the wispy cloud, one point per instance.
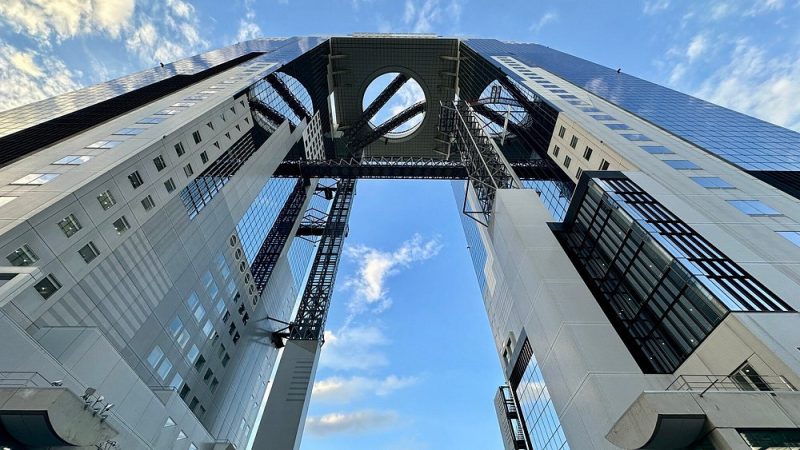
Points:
(346, 390)
(166, 33)
(354, 347)
(547, 18)
(425, 16)
(356, 422)
(375, 266)
(248, 28)
(28, 75)
(697, 47)
(655, 6)
(55, 20)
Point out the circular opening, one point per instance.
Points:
(495, 105)
(409, 94)
(267, 91)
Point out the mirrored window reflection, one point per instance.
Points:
(712, 182)
(792, 236)
(681, 164)
(754, 208)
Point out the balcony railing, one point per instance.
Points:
(726, 383)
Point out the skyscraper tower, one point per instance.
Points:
(169, 233)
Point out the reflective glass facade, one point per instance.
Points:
(477, 251)
(750, 143)
(259, 217)
(663, 286)
(538, 413)
(554, 195)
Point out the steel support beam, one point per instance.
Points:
(279, 234)
(309, 322)
(288, 96)
(384, 128)
(373, 108)
(267, 111)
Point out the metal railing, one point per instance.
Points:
(726, 383)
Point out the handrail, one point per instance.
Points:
(726, 383)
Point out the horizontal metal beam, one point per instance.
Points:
(399, 168)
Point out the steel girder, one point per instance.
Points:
(270, 251)
(381, 130)
(268, 112)
(486, 168)
(288, 96)
(374, 107)
(309, 323)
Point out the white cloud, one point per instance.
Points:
(345, 390)
(655, 6)
(375, 266)
(755, 83)
(354, 348)
(356, 422)
(28, 76)
(427, 15)
(166, 33)
(63, 19)
(248, 28)
(549, 17)
(697, 46)
(765, 6)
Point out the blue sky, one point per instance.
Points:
(409, 362)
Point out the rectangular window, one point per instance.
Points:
(148, 203)
(225, 360)
(104, 144)
(187, 169)
(636, 137)
(176, 382)
(712, 182)
(193, 404)
(158, 161)
(151, 120)
(567, 160)
(121, 225)
(155, 357)
(208, 375)
(182, 105)
(208, 328)
(574, 141)
(194, 352)
(556, 149)
(129, 131)
(36, 179)
(106, 200)
(169, 185)
(754, 208)
(213, 385)
(204, 157)
(618, 126)
(48, 286)
(167, 112)
(197, 137)
(179, 149)
(135, 179)
(602, 117)
(198, 365)
(587, 154)
(792, 236)
(71, 160)
(164, 368)
(681, 164)
(604, 165)
(69, 225)
(216, 143)
(89, 252)
(183, 339)
(210, 125)
(185, 391)
(656, 149)
(578, 175)
(5, 200)
(22, 256)
(175, 327)
(561, 132)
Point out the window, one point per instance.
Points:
(199, 313)
(69, 225)
(208, 375)
(151, 120)
(213, 385)
(197, 137)
(712, 182)
(210, 125)
(198, 365)
(225, 360)
(169, 185)
(72, 160)
(89, 252)
(681, 164)
(129, 131)
(208, 328)
(22, 256)
(636, 137)
(155, 357)
(753, 208)
(587, 153)
(121, 225)
(556, 149)
(222, 116)
(187, 169)
(792, 236)
(233, 109)
(228, 135)
(604, 165)
(216, 144)
(167, 112)
(179, 149)
(618, 126)
(194, 352)
(36, 179)
(104, 144)
(574, 141)
(164, 368)
(182, 105)
(578, 175)
(48, 286)
(204, 157)
(193, 404)
(602, 117)
(185, 391)
(221, 351)
(183, 339)
(567, 160)
(177, 381)
(159, 163)
(238, 127)
(561, 132)
(135, 179)
(656, 149)
(4, 200)
(148, 203)
(175, 326)
(106, 200)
